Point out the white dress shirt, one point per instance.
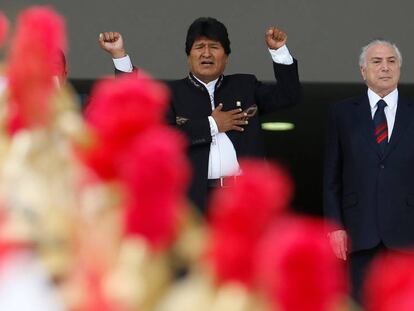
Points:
(390, 110)
(25, 285)
(123, 64)
(222, 158)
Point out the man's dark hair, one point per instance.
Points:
(210, 28)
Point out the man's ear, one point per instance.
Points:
(226, 58)
(363, 73)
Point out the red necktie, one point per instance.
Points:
(381, 127)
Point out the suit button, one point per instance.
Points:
(382, 166)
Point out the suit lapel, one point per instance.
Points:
(365, 123)
(403, 117)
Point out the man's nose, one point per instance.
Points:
(385, 66)
(206, 51)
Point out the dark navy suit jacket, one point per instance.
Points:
(369, 194)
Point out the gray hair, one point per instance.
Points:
(363, 55)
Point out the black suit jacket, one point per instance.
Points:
(190, 107)
(369, 194)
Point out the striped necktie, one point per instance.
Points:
(380, 124)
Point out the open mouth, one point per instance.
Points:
(207, 62)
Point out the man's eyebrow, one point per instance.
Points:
(379, 58)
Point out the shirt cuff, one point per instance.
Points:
(281, 55)
(123, 64)
(213, 126)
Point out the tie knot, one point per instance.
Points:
(381, 104)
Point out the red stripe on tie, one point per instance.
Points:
(381, 137)
(380, 128)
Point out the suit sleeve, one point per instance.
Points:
(286, 92)
(333, 171)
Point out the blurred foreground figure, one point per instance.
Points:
(25, 285)
(31, 189)
(71, 239)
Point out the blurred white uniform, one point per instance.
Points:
(24, 285)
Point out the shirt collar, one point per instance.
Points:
(391, 99)
(212, 85)
(209, 86)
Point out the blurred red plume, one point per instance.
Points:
(40, 33)
(241, 214)
(297, 268)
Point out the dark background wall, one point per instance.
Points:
(325, 36)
